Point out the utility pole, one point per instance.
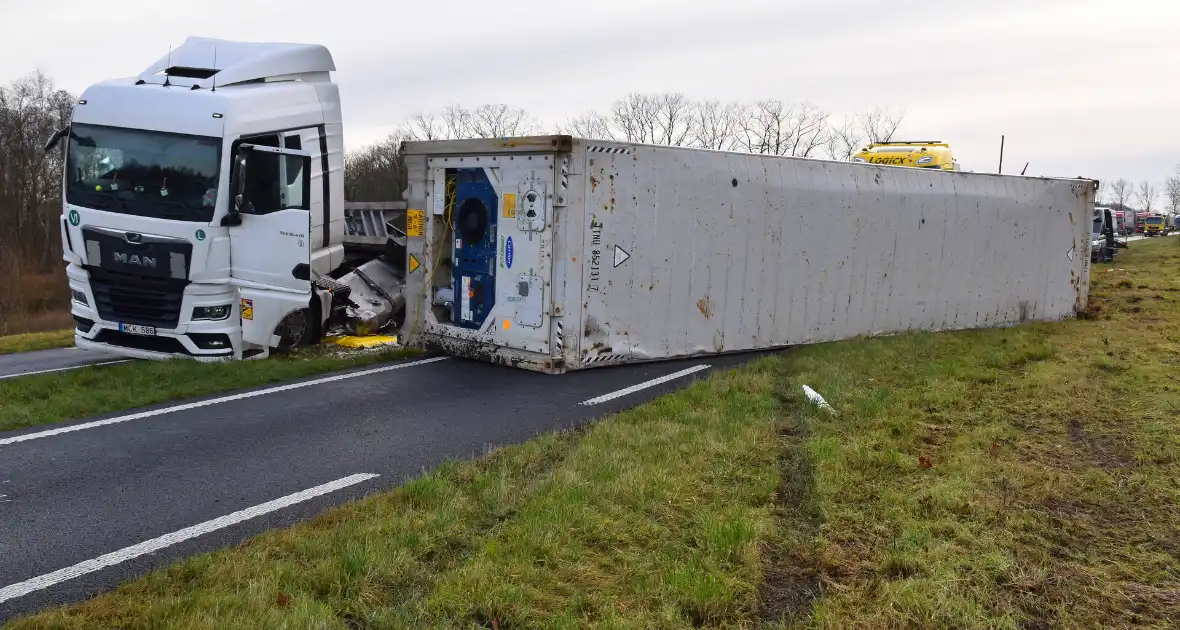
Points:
(1001, 155)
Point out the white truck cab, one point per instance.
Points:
(201, 200)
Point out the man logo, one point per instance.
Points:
(136, 260)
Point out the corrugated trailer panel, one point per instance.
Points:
(652, 253)
(689, 252)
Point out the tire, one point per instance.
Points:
(295, 331)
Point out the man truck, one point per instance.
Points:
(1157, 225)
(204, 217)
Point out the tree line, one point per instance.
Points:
(33, 289)
(1122, 194)
(769, 126)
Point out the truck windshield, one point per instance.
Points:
(145, 173)
(1155, 220)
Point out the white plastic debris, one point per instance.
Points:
(814, 397)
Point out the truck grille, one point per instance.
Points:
(133, 299)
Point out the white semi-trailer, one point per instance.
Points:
(204, 216)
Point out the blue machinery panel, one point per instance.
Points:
(474, 270)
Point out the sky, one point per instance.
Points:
(1077, 87)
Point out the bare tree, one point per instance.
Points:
(592, 125)
(499, 121)
(635, 117)
(31, 278)
(1172, 193)
(1100, 191)
(486, 121)
(715, 125)
(845, 139)
(674, 119)
(879, 125)
(1121, 191)
(424, 126)
(776, 128)
(1147, 194)
(376, 172)
(669, 118)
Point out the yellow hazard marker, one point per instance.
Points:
(349, 341)
(414, 264)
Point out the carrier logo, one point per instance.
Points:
(508, 253)
(887, 160)
(135, 260)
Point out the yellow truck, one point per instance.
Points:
(918, 154)
(1157, 225)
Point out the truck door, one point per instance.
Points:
(270, 244)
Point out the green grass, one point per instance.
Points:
(45, 398)
(28, 342)
(1013, 478)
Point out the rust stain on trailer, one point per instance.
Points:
(705, 306)
(593, 183)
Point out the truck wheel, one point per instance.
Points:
(294, 331)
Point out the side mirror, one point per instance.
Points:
(56, 137)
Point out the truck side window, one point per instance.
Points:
(293, 187)
(273, 182)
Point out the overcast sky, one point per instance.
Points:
(1080, 87)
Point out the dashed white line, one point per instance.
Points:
(47, 580)
(63, 369)
(213, 401)
(644, 385)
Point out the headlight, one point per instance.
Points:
(211, 313)
(859, 160)
(926, 159)
(79, 297)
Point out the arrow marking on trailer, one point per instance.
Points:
(621, 255)
(1070, 253)
(41, 582)
(414, 264)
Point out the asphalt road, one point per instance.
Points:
(71, 493)
(42, 361)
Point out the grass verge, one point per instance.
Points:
(10, 344)
(1018, 478)
(44, 398)
(1014, 478)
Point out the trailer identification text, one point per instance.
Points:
(595, 255)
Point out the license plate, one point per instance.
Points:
(135, 329)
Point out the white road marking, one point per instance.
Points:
(41, 582)
(64, 369)
(644, 385)
(215, 401)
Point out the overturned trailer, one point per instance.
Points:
(557, 253)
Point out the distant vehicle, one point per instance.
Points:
(1139, 223)
(917, 154)
(1102, 245)
(1124, 224)
(1157, 225)
(1124, 221)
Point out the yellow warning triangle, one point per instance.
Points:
(414, 264)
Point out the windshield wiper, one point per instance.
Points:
(185, 210)
(106, 195)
